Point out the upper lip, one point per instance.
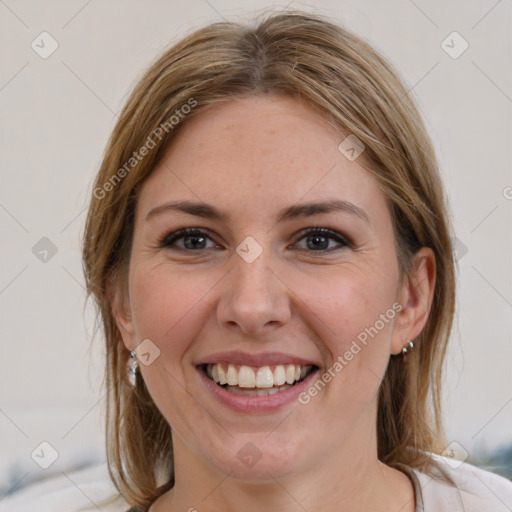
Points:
(257, 360)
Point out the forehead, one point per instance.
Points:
(264, 151)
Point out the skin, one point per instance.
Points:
(250, 158)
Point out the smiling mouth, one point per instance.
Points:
(257, 381)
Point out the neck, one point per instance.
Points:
(349, 479)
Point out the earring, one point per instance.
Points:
(408, 348)
(133, 367)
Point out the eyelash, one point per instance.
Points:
(168, 240)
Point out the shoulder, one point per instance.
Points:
(460, 486)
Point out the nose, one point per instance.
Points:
(253, 299)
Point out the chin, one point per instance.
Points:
(255, 458)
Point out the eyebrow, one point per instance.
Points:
(292, 212)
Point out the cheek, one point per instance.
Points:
(168, 308)
(353, 311)
(350, 301)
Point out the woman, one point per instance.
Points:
(269, 248)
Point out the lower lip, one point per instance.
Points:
(253, 404)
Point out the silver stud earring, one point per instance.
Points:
(133, 368)
(408, 348)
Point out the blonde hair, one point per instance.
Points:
(307, 57)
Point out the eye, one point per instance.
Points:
(191, 238)
(321, 240)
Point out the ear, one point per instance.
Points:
(118, 297)
(415, 297)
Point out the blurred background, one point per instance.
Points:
(66, 70)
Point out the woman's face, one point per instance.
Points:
(264, 281)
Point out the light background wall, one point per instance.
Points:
(57, 114)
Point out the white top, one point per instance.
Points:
(473, 489)
(84, 490)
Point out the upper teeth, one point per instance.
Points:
(263, 377)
